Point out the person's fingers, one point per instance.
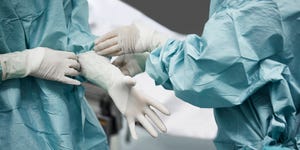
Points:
(156, 120)
(70, 55)
(117, 53)
(147, 125)
(109, 51)
(72, 72)
(106, 44)
(73, 64)
(157, 105)
(131, 125)
(68, 80)
(106, 36)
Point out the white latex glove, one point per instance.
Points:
(132, 103)
(131, 64)
(41, 62)
(135, 38)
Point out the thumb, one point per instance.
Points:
(125, 71)
(119, 61)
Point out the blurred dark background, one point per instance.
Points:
(183, 16)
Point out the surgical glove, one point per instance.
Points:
(129, 100)
(41, 62)
(135, 38)
(131, 64)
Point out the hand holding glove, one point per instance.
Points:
(131, 64)
(131, 102)
(41, 62)
(135, 38)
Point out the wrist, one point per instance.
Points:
(149, 38)
(18, 64)
(98, 70)
(13, 65)
(158, 40)
(35, 57)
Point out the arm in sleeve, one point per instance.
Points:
(80, 37)
(227, 64)
(14, 65)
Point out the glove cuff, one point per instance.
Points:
(21, 64)
(15, 65)
(98, 69)
(35, 58)
(149, 38)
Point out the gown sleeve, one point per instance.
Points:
(239, 52)
(80, 37)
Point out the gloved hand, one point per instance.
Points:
(135, 38)
(131, 64)
(132, 103)
(41, 62)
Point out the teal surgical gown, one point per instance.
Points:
(37, 114)
(245, 66)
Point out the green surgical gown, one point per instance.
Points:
(245, 66)
(37, 114)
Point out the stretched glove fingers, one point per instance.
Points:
(157, 105)
(71, 81)
(72, 72)
(156, 120)
(117, 53)
(131, 125)
(73, 64)
(106, 44)
(114, 50)
(106, 36)
(147, 125)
